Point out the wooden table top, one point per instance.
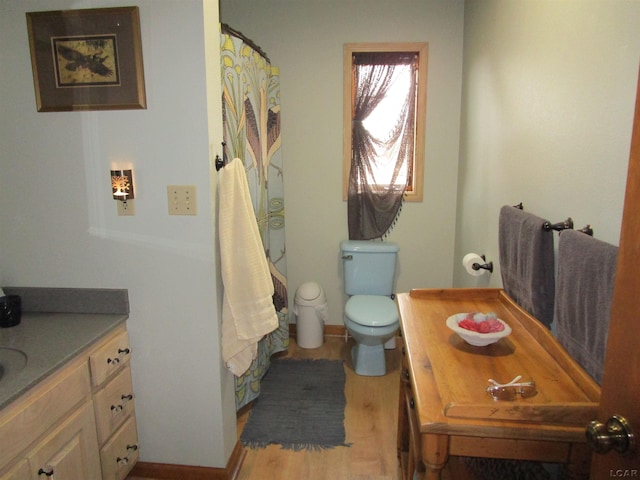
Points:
(449, 376)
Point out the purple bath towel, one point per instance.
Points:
(584, 290)
(527, 262)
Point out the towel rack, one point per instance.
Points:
(221, 162)
(587, 230)
(567, 224)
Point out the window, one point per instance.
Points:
(395, 127)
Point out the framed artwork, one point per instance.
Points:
(88, 59)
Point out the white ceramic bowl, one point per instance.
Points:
(476, 338)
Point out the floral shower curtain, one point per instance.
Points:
(251, 121)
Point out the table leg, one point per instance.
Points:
(403, 421)
(435, 453)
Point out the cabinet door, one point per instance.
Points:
(20, 471)
(35, 414)
(70, 451)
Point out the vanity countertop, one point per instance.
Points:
(51, 338)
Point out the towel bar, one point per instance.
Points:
(567, 224)
(587, 229)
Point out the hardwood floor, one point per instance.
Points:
(371, 416)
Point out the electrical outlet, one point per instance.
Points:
(182, 199)
(127, 208)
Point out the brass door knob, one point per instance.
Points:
(616, 434)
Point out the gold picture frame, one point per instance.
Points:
(88, 59)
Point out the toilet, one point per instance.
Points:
(370, 314)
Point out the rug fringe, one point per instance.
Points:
(296, 447)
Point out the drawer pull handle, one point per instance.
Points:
(412, 403)
(125, 460)
(121, 353)
(116, 409)
(48, 471)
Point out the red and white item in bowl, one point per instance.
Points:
(477, 328)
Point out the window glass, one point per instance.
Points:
(388, 122)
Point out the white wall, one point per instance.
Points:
(305, 40)
(548, 99)
(60, 228)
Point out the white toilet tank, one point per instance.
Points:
(369, 266)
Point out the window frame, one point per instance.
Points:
(415, 192)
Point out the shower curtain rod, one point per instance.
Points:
(230, 31)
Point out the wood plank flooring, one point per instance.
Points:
(371, 416)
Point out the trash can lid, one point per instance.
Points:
(309, 292)
(371, 310)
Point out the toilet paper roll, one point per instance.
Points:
(468, 261)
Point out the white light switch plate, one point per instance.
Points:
(182, 199)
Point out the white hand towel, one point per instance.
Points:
(248, 312)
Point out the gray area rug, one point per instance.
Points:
(301, 406)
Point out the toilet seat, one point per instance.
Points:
(371, 310)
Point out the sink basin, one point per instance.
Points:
(12, 361)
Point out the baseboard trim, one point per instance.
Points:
(166, 471)
(329, 330)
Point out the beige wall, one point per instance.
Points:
(60, 228)
(305, 39)
(548, 98)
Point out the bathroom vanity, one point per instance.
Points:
(444, 408)
(68, 411)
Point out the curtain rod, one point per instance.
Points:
(231, 31)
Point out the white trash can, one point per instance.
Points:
(310, 307)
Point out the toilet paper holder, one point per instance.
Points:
(485, 266)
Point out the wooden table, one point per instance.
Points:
(444, 408)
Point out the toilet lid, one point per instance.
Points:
(371, 310)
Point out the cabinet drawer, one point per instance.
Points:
(43, 407)
(114, 404)
(108, 359)
(120, 453)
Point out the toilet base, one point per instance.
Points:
(368, 360)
